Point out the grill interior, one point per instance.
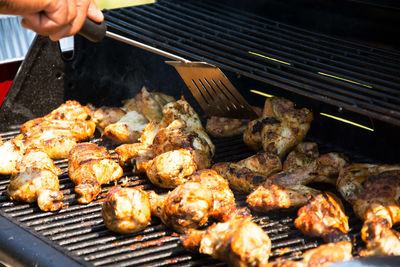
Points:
(340, 77)
(79, 232)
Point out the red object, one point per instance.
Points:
(7, 74)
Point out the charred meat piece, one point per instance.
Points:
(223, 198)
(126, 210)
(325, 167)
(324, 217)
(238, 242)
(90, 166)
(227, 127)
(187, 206)
(247, 174)
(302, 155)
(287, 126)
(265, 199)
(373, 191)
(35, 179)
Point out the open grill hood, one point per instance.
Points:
(327, 74)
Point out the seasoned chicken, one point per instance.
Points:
(126, 210)
(302, 155)
(128, 129)
(373, 190)
(10, 153)
(57, 132)
(247, 174)
(281, 128)
(90, 166)
(187, 206)
(265, 199)
(35, 179)
(325, 167)
(238, 242)
(105, 116)
(170, 169)
(226, 127)
(224, 200)
(153, 103)
(324, 217)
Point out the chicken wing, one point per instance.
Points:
(238, 242)
(302, 155)
(373, 191)
(265, 199)
(187, 206)
(247, 174)
(35, 179)
(324, 217)
(325, 167)
(227, 127)
(126, 210)
(90, 166)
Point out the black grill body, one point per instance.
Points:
(108, 72)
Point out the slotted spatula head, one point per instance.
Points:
(212, 89)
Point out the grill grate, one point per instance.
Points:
(79, 232)
(345, 74)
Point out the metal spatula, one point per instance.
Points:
(211, 88)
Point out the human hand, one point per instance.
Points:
(53, 18)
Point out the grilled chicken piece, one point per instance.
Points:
(171, 168)
(90, 166)
(224, 200)
(252, 133)
(287, 128)
(187, 206)
(35, 178)
(373, 191)
(126, 210)
(128, 129)
(265, 199)
(57, 132)
(153, 103)
(105, 116)
(247, 174)
(238, 242)
(302, 155)
(10, 152)
(324, 217)
(227, 127)
(325, 167)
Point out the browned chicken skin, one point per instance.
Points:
(187, 206)
(126, 210)
(247, 174)
(281, 127)
(11, 151)
(90, 166)
(324, 217)
(224, 200)
(325, 167)
(302, 155)
(238, 242)
(374, 192)
(105, 116)
(265, 199)
(35, 178)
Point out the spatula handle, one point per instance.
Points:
(93, 31)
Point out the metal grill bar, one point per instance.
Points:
(348, 75)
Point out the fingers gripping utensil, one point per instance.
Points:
(211, 88)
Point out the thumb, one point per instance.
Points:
(94, 12)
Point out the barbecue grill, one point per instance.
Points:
(334, 77)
